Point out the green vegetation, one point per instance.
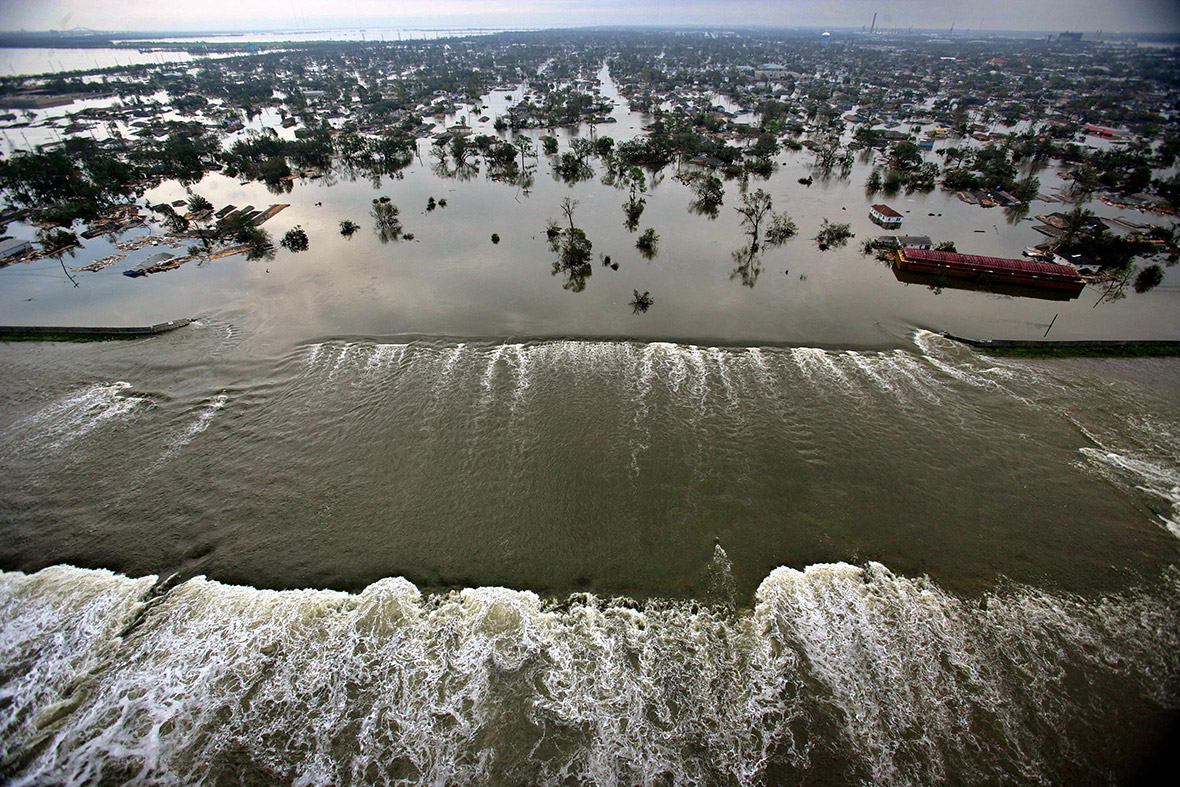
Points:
(295, 239)
(755, 209)
(361, 109)
(56, 240)
(1086, 350)
(708, 192)
(1149, 278)
(1083, 233)
(385, 217)
(572, 247)
(833, 236)
(648, 243)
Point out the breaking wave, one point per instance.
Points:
(204, 417)
(79, 413)
(870, 676)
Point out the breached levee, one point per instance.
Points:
(851, 673)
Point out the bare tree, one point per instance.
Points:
(754, 209)
(567, 207)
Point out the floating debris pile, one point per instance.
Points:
(105, 262)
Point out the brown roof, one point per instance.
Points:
(1050, 270)
(887, 211)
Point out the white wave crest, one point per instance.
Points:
(1150, 476)
(79, 413)
(890, 680)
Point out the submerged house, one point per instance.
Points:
(906, 241)
(885, 216)
(12, 247)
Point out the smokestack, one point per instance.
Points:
(874, 25)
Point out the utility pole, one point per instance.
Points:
(1051, 324)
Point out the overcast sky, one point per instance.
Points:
(1052, 15)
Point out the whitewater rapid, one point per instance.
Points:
(106, 679)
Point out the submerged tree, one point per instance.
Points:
(632, 210)
(55, 241)
(708, 192)
(782, 228)
(175, 223)
(572, 247)
(633, 179)
(1149, 278)
(641, 301)
(237, 229)
(385, 215)
(874, 182)
(830, 155)
(747, 265)
(758, 217)
(568, 206)
(348, 228)
(833, 235)
(755, 209)
(198, 204)
(295, 239)
(648, 243)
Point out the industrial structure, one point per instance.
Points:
(991, 270)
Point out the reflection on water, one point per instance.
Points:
(748, 265)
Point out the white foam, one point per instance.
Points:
(55, 628)
(385, 355)
(341, 359)
(489, 373)
(200, 424)
(1149, 476)
(79, 413)
(313, 354)
(496, 685)
(817, 365)
(520, 360)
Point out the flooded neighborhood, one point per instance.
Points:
(678, 393)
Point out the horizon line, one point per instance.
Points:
(81, 32)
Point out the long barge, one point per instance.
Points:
(1026, 273)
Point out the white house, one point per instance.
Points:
(885, 216)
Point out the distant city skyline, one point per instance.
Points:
(1087, 16)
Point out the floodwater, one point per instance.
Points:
(38, 60)
(415, 512)
(451, 280)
